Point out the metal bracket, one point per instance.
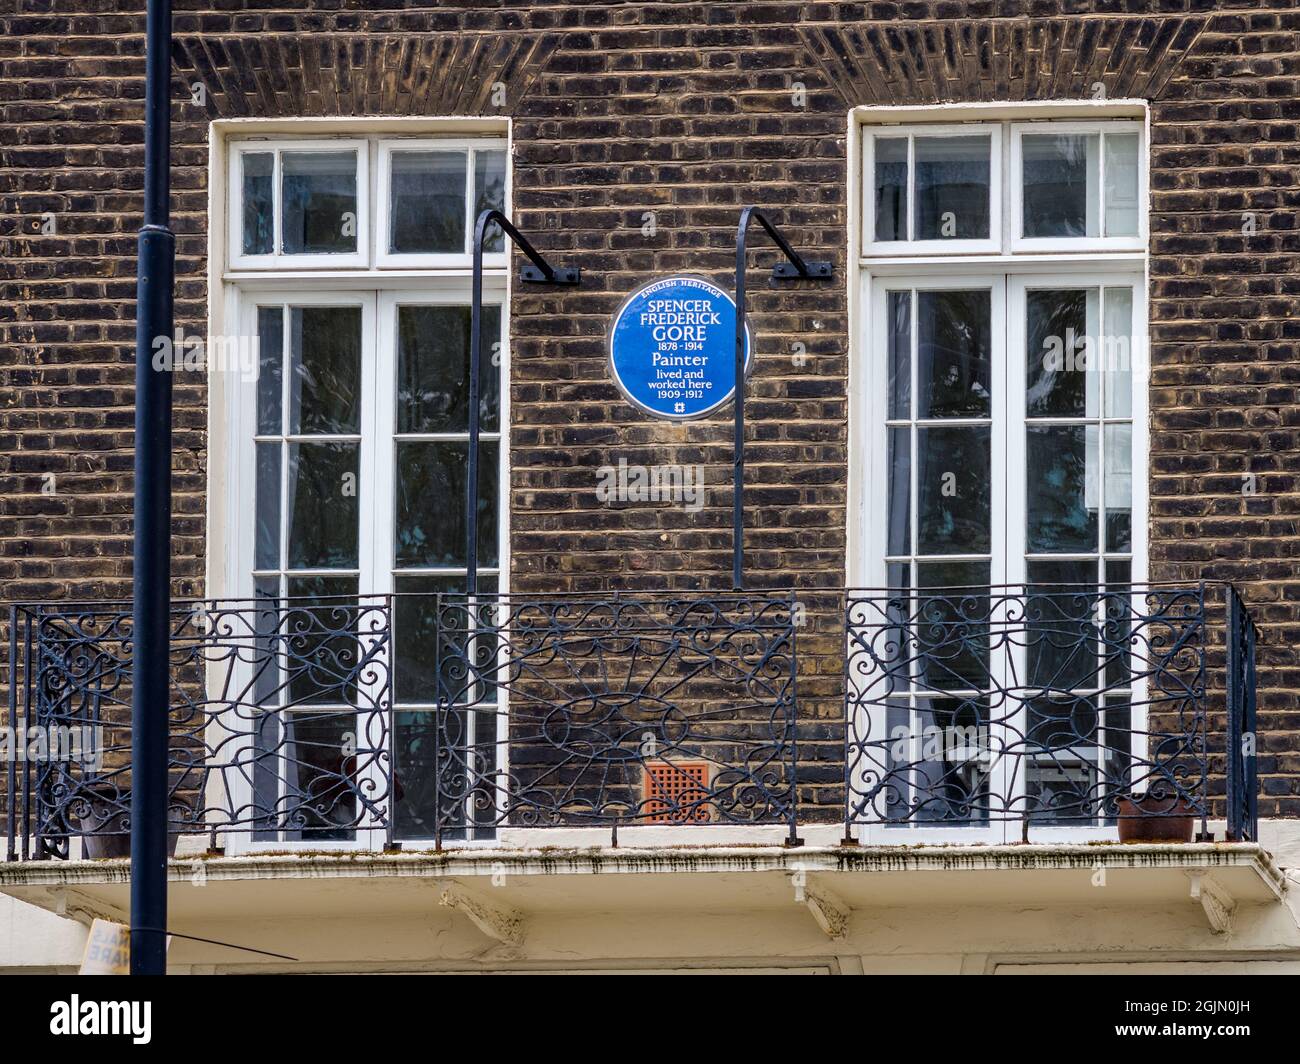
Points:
(1218, 904)
(560, 275)
(829, 910)
(502, 924)
(812, 271)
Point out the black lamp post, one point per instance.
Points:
(151, 575)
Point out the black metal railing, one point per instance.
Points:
(441, 719)
(1041, 706)
(277, 722)
(1240, 689)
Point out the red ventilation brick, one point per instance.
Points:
(672, 784)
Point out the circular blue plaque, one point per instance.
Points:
(672, 348)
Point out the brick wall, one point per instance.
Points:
(686, 111)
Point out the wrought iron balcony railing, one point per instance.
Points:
(1043, 706)
(438, 720)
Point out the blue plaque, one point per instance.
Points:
(672, 348)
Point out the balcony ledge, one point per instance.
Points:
(497, 886)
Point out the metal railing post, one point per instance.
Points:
(1232, 684)
(11, 774)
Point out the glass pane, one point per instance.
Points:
(321, 657)
(416, 750)
(319, 202)
(1121, 184)
(428, 203)
(415, 623)
(898, 756)
(416, 632)
(1060, 195)
(431, 503)
(952, 774)
(952, 188)
(899, 323)
(267, 505)
(433, 369)
(1061, 357)
(320, 776)
(954, 489)
(1119, 487)
(1062, 609)
(318, 592)
(951, 633)
(259, 201)
(490, 192)
(1118, 352)
(1061, 488)
(1120, 606)
(270, 369)
(891, 188)
(899, 459)
(325, 371)
(266, 678)
(323, 506)
(954, 354)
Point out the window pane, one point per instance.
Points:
(891, 188)
(1118, 352)
(1061, 613)
(267, 690)
(323, 505)
(1057, 355)
(1121, 184)
(954, 353)
(416, 803)
(431, 503)
(325, 642)
(954, 489)
(325, 373)
(899, 317)
(433, 349)
(952, 776)
(319, 201)
(415, 623)
(270, 369)
(259, 201)
(428, 202)
(267, 505)
(899, 458)
(490, 192)
(953, 640)
(1119, 487)
(952, 188)
(1060, 185)
(1061, 488)
(320, 775)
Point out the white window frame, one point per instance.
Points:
(1078, 262)
(277, 260)
(1008, 563)
(238, 283)
(931, 247)
(383, 203)
(1017, 242)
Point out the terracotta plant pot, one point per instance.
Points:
(1154, 818)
